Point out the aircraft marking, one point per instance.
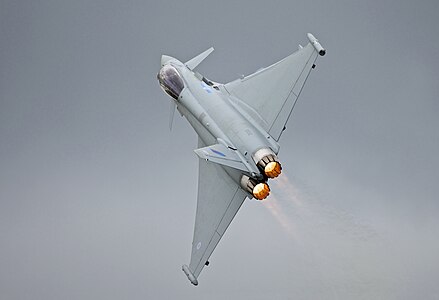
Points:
(217, 152)
(206, 88)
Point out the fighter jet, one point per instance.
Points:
(239, 125)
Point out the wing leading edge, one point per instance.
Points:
(219, 199)
(271, 93)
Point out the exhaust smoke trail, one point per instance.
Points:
(333, 243)
(293, 209)
(276, 211)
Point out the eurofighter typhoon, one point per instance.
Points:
(238, 125)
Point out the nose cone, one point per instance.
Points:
(165, 59)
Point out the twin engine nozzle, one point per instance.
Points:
(267, 162)
(259, 190)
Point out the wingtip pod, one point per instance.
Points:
(315, 42)
(189, 275)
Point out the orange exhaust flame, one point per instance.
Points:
(261, 191)
(273, 169)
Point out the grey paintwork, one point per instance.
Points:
(233, 121)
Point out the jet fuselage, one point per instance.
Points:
(217, 119)
(239, 125)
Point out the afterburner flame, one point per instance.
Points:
(261, 191)
(273, 169)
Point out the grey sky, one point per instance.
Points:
(97, 197)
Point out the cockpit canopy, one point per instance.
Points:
(170, 81)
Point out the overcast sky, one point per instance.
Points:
(98, 197)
